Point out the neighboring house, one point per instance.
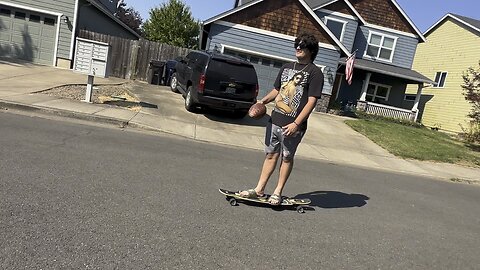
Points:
(44, 31)
(380, 34)
(453, 46)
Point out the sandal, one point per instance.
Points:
(275, 200)
(252, 194)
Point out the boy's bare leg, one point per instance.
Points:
(286, 167)
(267, 169)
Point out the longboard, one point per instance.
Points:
(234, 198)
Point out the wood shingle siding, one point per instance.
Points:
(382, 13)
(284, 17)
(341, 7)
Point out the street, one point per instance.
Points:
(75, 196)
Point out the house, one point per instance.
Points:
(44, 31)
(453, 46)
(377, 32)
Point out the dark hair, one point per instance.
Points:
(311, 43)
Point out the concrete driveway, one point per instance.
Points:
(23, 78)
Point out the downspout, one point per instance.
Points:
(74, 29)
(200, 37)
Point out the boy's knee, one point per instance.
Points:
(287, 159)
(272, 156)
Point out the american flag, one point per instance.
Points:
(349, 68)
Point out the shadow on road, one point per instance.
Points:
(334, 199)
(230, 118)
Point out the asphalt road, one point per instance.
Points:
(76, 196)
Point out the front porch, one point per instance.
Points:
(379, 89)
(387, 111)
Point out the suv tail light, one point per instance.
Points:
(201, 83)
(257, 89)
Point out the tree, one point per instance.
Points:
(130, 17)
(172, 23)
(471, 91)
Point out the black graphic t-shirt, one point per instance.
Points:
(295, 83)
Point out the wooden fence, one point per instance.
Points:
(130, 59)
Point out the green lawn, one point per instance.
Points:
(417, 142)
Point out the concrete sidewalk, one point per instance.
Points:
(327, 138)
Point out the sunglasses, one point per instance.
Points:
(300, 45)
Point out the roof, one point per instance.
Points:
(385, 69)
(106, 12)
(321, 3)
(302, 2)
(466, 21)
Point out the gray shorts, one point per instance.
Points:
(276, 142)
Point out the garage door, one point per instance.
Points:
(267, 69)
(27, 35)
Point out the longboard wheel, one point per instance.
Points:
(300, 210)
(233, 202)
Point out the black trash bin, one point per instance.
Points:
(156, 71)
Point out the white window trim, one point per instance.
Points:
(376, 88)
(446, 75)
(338, 14)
(383, 36)
(382, 28)
(327, 18)
(233, 48)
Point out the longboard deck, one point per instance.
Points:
(285, 201)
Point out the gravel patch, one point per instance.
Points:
(117, 95)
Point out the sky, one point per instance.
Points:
(423, 13)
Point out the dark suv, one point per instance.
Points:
(215, 80)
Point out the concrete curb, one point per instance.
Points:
(8, 105)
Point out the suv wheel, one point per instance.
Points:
(173, 83)
(189, 103)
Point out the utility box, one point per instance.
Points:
(91, 58)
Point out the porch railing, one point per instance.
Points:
(386, 111)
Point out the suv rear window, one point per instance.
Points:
(238, 71)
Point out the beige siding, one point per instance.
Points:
(451, 48)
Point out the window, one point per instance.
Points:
(380, 46)
(35, 18)
(378, 93)
(410, 97)
(277, 64)
(254, 59)
(5, 12)
(440, 78)
(266, 62)
(20, 15)
(49, 21)
(336, 26)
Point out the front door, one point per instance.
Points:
(336, 89)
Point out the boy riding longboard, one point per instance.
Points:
(233, 197)
(296, 91)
